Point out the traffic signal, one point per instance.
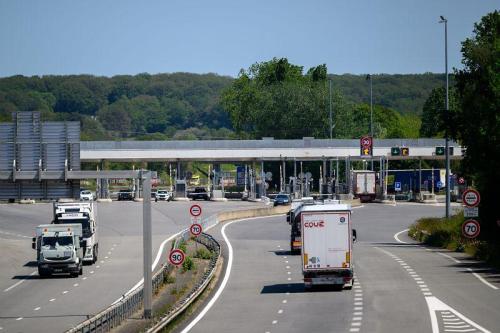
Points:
(405, 151)
(395, 151)
(366, 146)
(366, 151)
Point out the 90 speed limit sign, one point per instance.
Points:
(195, 229)
(471, 229)
(176, 257)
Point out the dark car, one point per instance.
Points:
(282, 199)
(199, 193)
(125, 195)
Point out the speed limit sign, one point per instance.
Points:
(176, 257)
(195, 229)
(471, 229)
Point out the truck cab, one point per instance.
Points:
(60, 249)
(83, 214)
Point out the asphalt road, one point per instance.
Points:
(30, 304)
(401, 286)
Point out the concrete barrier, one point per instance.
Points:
(104, 200)
(27, 201)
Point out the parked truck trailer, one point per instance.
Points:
(363, 185)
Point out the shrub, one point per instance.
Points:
(203, 254)
(188, 264)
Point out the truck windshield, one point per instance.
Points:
(83, 221)
(61, 241)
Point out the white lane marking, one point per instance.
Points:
(358, 308)
(20, 318)
(65, 292)
(97, 266)
(358, 303)
(287, 267)
(75, 285)
(358, 298)
(286, 261)
(109, 253)
(288, 273)
(356, 324)
(224, 280)
(483, 280)
(399, 233)
(52, 300)
(358, 313)
(357, 318)
(448, 256)
(287, 293)
(434, 304)
(275, 322)
(289, 279)
(37, 308)
(18, 283)
(84, 278)
(102, 261)
(284, 301)
(354, 329)
(106, 257)
(280, 311)
(91, 272)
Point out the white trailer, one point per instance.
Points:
(327, 238)
(364, 184)
(82, 213)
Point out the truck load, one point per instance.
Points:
(81, 213)
(363, 185)
(327, 239)
(293, 218)
(60, 249)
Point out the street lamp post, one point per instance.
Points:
(447, 149)
(330, 98)
(369, 77)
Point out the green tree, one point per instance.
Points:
(477, 122)
(433, 112)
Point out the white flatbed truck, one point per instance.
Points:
(327, 239)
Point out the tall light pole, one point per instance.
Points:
(369, 77)
(330, 98)
(447, 110)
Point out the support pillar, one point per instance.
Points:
(147, 247)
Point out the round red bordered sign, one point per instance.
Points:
(176, 257)
(461, 180)
(366, 141)
(471, 198)
(195, 229)
(195, 210)
(471, 228)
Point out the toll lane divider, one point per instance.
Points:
(115, 314)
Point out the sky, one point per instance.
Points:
(104, 37)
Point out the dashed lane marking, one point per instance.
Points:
(20, 318)
(37, 308)
(75, 285)
(18, 283)
(275, 322)
(65, 292)
(52, 300)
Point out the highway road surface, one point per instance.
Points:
(30, 304)
(400, 286)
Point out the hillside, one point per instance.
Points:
(178, 105)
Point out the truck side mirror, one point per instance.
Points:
(288, 218)
(33, 243)
(83, 244)
(354, 235)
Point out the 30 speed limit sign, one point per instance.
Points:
(471, 228)
(195, 229)
(176, 257)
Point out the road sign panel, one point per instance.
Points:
(471, 211)
(195, 210)
(395, 151)
(471, 229)
(439, 184)
(461, 180)
(439, 151)
(176, 257)
(471, 198)
(366, 141)
(405, 151)
(397, 186)
(195, 229)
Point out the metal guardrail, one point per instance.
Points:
(115, 314)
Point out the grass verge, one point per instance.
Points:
(447, 233)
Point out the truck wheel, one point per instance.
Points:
(94, 259)
(42, 273)
(80, 272)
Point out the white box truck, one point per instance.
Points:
(60, 249)
(82, 213)
(364, 185)
(327, 238)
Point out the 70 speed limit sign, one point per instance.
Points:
(471, 229)
(195, 229)
(176, 257)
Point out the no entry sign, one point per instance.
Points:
(471, 198)
(176, 257)
(471, 228)
(195, 229)
(195, 210)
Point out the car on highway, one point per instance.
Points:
(163, 195)
(86, 195)
(125, 195)
(282, 199)
(199, 193)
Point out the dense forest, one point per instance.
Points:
(189, 106)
